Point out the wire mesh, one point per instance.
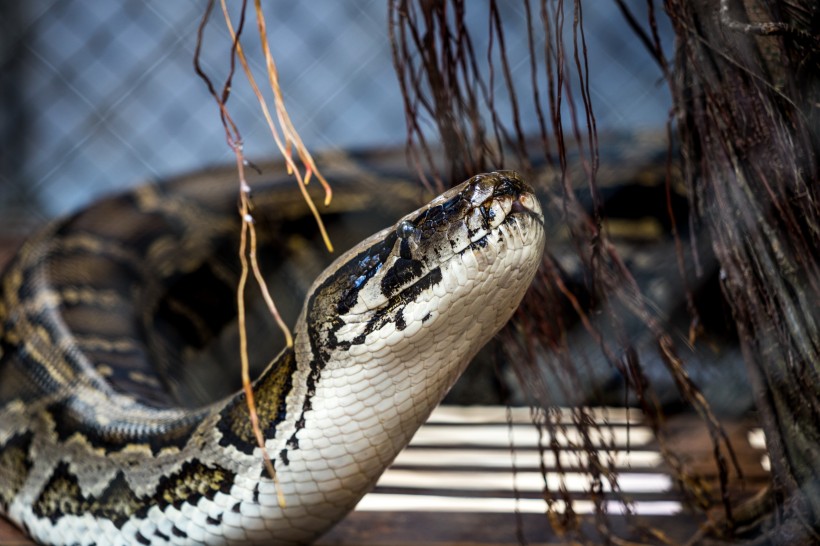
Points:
(98, 96)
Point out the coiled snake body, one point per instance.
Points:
(98, 311)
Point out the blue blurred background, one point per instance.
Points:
(97, 96)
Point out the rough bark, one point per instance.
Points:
(746, 86)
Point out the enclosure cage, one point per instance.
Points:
(99, 97)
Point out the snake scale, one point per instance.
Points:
(104, 313)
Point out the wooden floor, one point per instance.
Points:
(455, 483)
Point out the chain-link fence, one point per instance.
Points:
(99, 95)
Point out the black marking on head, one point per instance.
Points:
(162, 536)
(177, 532)
(401, 323)
(435, 216)
(400, 274)
(427, 317)
(212, 521)
(361, 269)
(117, 435)
(16, 464)
(236, 508)
(141, 539)
(439, 214)
(404, 249)
(392, 312)
(271, 391)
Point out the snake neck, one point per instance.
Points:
(332, 412)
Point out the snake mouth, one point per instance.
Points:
(494, 199)
(527, 204)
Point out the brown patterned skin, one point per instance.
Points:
(115, 428)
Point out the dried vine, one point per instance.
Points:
(434, 57)
(286, 139)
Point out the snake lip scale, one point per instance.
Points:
(93, 451)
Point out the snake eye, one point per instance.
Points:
(405, 229)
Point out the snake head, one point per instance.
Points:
(453, 270)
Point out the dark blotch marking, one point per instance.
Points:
(393, 310)
(141, 539)
(177, 532)
(161, 535)
(194, 481)
(117, 503)
(214, 521)
(435, 216)
(401, 323)
(237, 508)
(15, 465)
(402, 272)
(361, 269)
(404, 250)
(485, 214)
(256, 493)
(68, 421)
(293, 441)
(62, 496)
(271, 391)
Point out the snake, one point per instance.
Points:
(105, 313)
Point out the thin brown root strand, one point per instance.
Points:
(260, 440)
(288, 137)
(285, 142)
(234, 139)
(248, 235)
(247, 387)
(284, 119)
(263, 286)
